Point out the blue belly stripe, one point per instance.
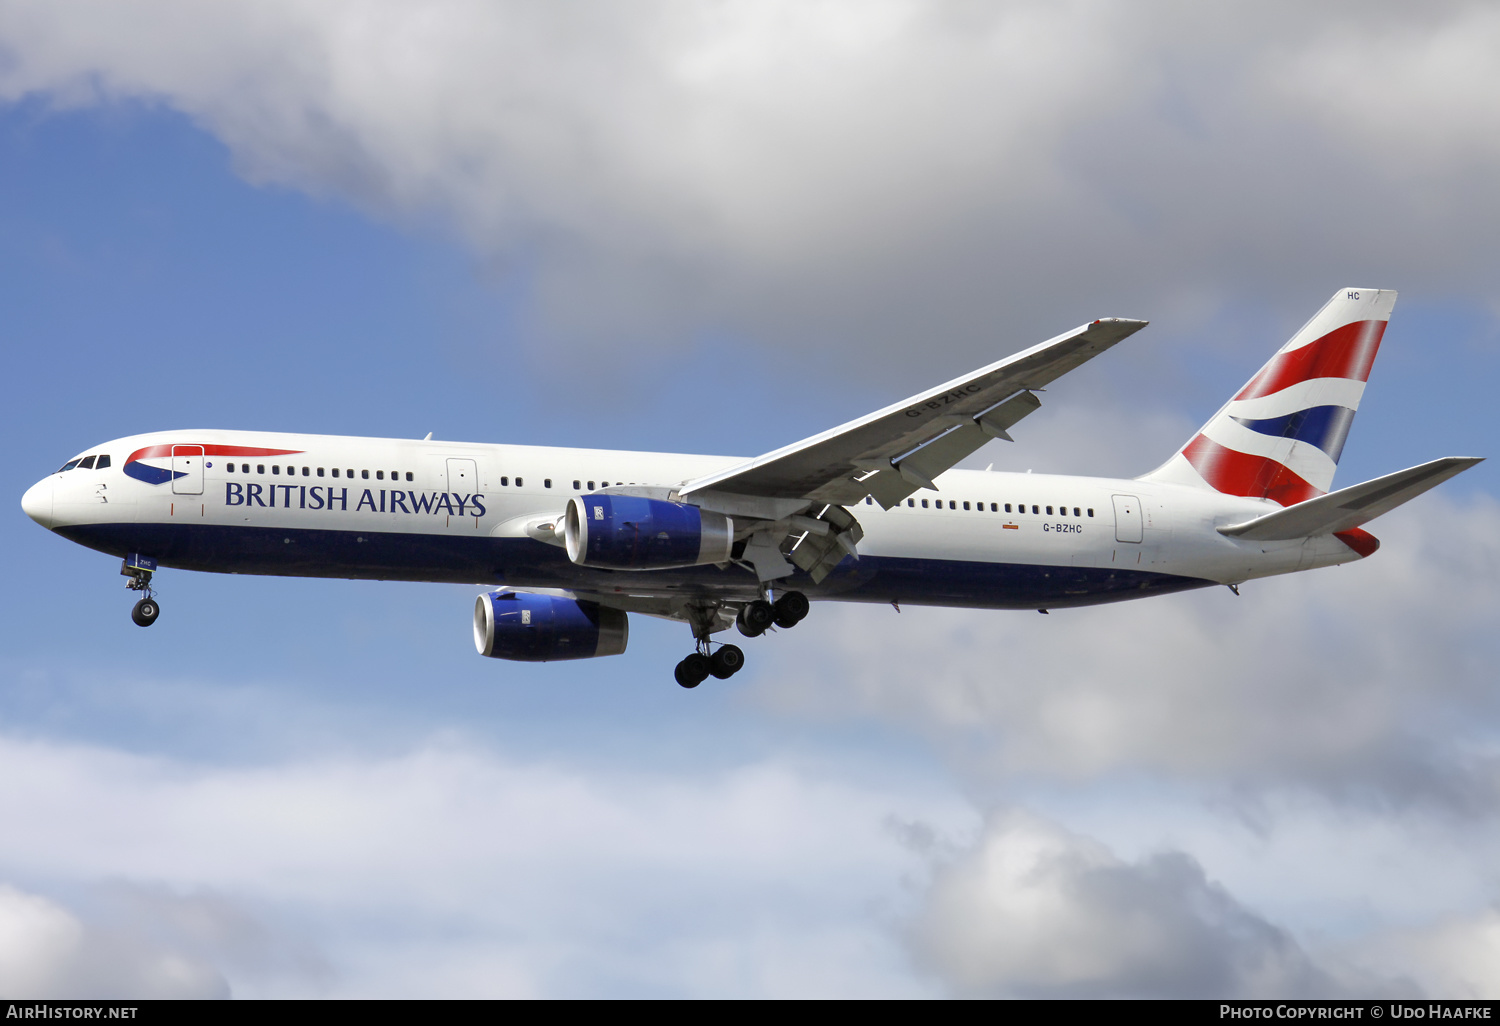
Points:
(524, 563)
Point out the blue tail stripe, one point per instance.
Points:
(1323, 426)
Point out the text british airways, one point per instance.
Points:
(253, 493)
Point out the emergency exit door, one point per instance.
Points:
(1127, 518)
(463, 477)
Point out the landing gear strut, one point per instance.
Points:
(722, 663)
(139, 570)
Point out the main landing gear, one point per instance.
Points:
(758, 616)
(139, 569)
(754, 619)
(698, 667)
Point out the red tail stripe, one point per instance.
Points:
(1237, 473)
(1346, 352)
(153, 451)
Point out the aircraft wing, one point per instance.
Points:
(892, 452)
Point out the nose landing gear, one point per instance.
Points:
(139, 569)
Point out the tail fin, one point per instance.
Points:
(1280, 437)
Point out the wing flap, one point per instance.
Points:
(1350, 507)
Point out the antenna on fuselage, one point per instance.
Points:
(428, 438)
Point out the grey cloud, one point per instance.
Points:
(1370, 682)
(46, 951)
(1034, 911)
(867, 177)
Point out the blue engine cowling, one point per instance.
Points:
(545, 628)
(627, 532)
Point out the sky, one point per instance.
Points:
(722, 227)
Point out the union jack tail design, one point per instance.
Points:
(1280, 437)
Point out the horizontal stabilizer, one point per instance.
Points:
(1350, 507)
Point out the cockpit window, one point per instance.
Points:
(103, 462)
(68, 466)
(87, 463)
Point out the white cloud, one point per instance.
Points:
(865, 176)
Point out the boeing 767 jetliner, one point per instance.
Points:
(574, 540)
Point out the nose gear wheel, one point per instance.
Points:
(145, 612)
(138, 573)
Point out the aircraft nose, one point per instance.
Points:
(37, 502)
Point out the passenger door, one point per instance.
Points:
(187, 469)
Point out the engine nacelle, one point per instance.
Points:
(627, 532)
(545, 628)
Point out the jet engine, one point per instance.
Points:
(627, 532)
(545, 628)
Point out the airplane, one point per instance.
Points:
(572, 541)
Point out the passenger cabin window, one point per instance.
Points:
(1034, 510)
(1091, 511)
(364, 475)
(995, 507)
(260, 468)
(911, 502)
(275, 469)
(408, 475)
(966, 505)
(576, 486)
(320, 471)
(547, 483)
(380, 475)
(869, 501)
(349, 472)
(591, 486)
(229, 467)
(1075, 511)
(505, 482)
(924, 503)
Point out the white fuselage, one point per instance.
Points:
(334, 506)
